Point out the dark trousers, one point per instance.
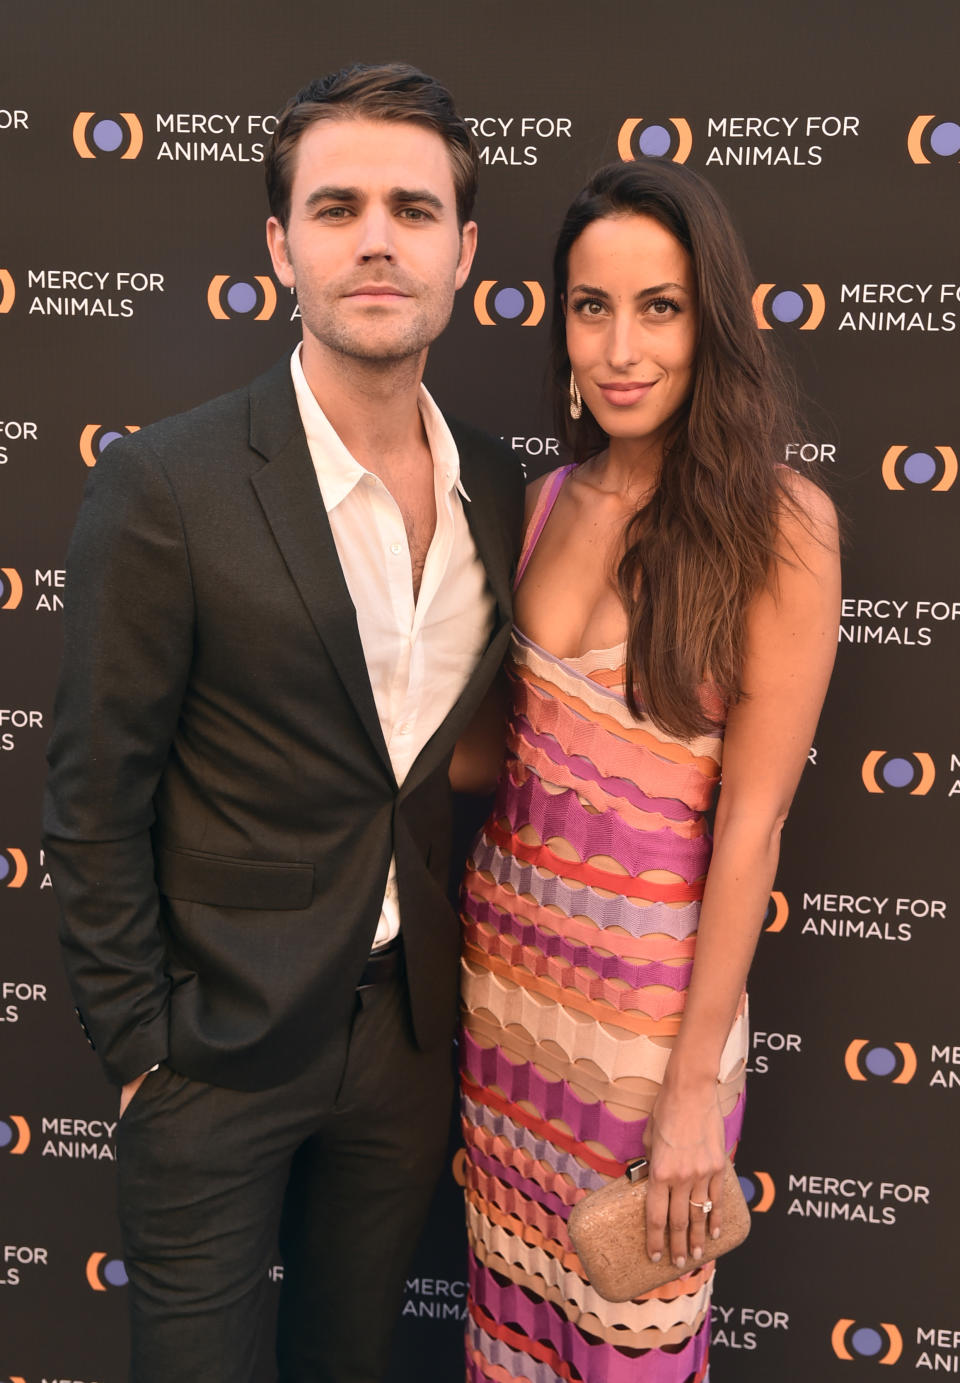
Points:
(340, 1163)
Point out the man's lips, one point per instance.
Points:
(378, 290)
(623, 394)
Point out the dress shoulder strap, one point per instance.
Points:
(546, 499)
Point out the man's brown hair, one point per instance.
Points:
(390, 91)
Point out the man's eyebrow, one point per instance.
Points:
(332, 194)
(401, 196)
(416, 194)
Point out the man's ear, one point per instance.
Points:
(277, 245)
(468, 248)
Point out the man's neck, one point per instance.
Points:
(372, 406)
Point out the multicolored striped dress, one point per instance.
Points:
(580, 908)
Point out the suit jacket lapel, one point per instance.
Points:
(486, 526)
(290, 497)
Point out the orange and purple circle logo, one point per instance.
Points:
(888, 771)
(229, 297)
(118, 135)
(655, 137)
(919, 468)
(932, 140)
(11, 588)
(895, 1062)
(13, 867)
(502, 302)
(8, 290)
(800, 306)
(104, 1272)
(758, 1190)
(881, 1342)
(96, 437)
(14, 1135)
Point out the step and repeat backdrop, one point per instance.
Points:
(134, 282)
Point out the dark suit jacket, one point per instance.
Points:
(221, 808)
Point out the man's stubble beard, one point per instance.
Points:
(346, 340)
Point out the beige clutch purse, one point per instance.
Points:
(608, 1230)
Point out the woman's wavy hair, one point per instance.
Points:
(702, 546)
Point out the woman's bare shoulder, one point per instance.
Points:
(807, 518)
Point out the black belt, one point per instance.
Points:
(382, 964)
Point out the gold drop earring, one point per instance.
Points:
(576, 402)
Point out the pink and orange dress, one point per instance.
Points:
(574, 981)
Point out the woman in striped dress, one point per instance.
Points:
(676, 608)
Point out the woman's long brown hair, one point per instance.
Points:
(698, 551)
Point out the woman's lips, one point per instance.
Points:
(623, 395)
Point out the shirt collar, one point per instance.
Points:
(337, 470)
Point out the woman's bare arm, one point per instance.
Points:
(791, 645)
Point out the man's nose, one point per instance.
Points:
(376, 234)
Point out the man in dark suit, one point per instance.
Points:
(284, 607)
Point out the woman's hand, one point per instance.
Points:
(685, 1147)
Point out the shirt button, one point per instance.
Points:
(396, 549)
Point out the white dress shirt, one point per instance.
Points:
(419, 654)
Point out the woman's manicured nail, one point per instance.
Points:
(680, 1262)
(715, 1234)
(698, 1253)
(655, 1257)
